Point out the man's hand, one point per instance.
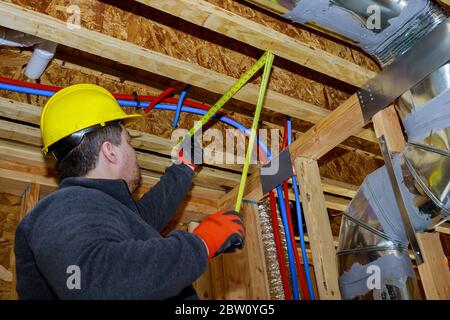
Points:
(222, 232)
(190, 152)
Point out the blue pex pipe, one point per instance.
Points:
(290, 250)
(180, 105)
(143, 105)
(298, 208)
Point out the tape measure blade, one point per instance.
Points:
(232, 91)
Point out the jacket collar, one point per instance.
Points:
(116, 188)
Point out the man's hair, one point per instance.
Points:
(83, 158)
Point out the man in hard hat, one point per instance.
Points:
(89, 239)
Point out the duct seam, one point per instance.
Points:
(371, 229)
(424, 186)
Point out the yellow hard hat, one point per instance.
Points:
(75, 109)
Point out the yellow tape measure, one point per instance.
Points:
(252, 139)
(230, 93)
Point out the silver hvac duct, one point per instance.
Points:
(372, 232)
(372, 235)
(384, 29)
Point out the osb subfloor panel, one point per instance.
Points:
(163, 33)
(9, 215)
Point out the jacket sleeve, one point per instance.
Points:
(111, 263)
(158, 205)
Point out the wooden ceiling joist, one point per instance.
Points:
(214, 18)
(47, 27)
(192, 204)
(31, 114)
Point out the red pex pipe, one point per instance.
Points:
(279, 247)
(119, 96)
(300, 271)
(116, 95)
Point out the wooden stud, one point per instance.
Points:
(29, 201)
(245, 271)
(319, 229)
(259, 283)
(434, 272)
(386, 123)
(217, 278)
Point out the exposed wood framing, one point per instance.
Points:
(31, 114)
(386, 123)
(434, 271)
(29, 201)
(245, 271)
(271, 6)
(234, 26)
(317, 141)
(44, 26)
(444, 228)
(446, 2)
(319, 229)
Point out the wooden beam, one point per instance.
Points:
(214, 18)
(319, 229)
(207, 176)
(444, 228)
(330, 131)
(445, 2)
(29, 201)
(343, 145)
(271, 6)
(245, 271)
(31, 114)
(254, 249)
(47, 27)
(434, 272)
(317, 141)
(386, 123)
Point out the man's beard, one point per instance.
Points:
(134, 180)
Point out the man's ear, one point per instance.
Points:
(109, 151)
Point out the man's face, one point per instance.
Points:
(129, 167)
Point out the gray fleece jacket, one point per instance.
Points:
(90, 240)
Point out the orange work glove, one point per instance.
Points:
(222, 232)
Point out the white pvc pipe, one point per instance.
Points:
(43, 53)
(40, 59)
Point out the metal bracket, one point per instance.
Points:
(406, 71)
(276, 171)
(410, 232)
